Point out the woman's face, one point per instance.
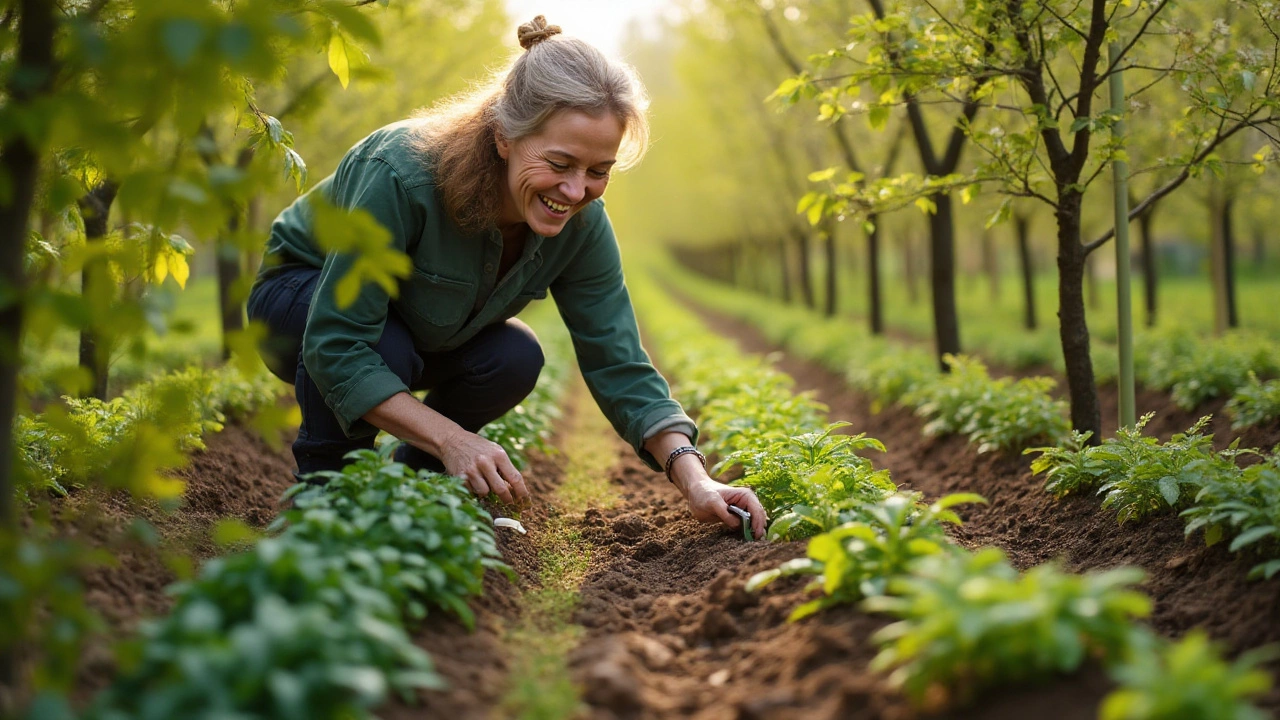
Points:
(556, 171)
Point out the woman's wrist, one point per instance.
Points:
(686, 471)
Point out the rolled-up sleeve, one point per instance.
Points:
(593, 300)
(337, 345)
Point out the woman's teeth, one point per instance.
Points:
(554, 206)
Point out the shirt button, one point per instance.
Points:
(488, 268)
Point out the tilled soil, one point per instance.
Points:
(238, 476)
(1191, 585)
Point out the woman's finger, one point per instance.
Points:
(476, 482)
(513, 478)
(497, 484)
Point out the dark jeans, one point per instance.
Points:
(472, 385)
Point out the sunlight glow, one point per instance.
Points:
(599, 22)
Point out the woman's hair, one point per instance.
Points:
(554, 72)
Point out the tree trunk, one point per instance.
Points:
(991, 266)
(96, 287)
(30, 77)
(806, 272)
(229, 269)
(1229, 260)
(833, 274)
(1220, 260)
(1146, 236)
(784, 266)
(1022, 227)
(1073, 328)
(942, 271)
(875, 307)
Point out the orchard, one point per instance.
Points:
(969, 450)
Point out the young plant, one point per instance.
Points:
(994, 413)
(1135, 473)
(969, 621)
(1187, 680)
(416, 536)
(810, 483)
(860, 559)
(1254, 403)
(1245, 506)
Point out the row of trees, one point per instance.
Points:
(964, 100)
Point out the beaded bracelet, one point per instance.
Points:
(684, 450)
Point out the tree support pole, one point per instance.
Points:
(1124, 325)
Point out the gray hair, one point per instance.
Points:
(557, 72)
(554, 73)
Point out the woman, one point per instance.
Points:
(496, 199)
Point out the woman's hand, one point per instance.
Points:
(484, 466)
(709, 500)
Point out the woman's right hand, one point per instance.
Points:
(484, 466)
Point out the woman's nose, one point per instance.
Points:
(574, 189)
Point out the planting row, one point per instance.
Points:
(1139, 476)
(312, 620)
(1135, 474)
(966, 620)
(1190, 367)
(132, 439)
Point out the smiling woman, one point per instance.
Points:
(495, 197)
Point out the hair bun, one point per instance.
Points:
(535, 31)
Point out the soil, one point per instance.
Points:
(669, 632)
(238, 476)
(1192, 586)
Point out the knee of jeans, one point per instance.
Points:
(522, 361)
(397, 351)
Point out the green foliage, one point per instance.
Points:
(1135, 473)
(1245, 506)
(1195, 369)
(308, 624)
(994, 413)
(967, 621)
(408, 535)
(1187, 680)
(1254, 403)
(860, 559)
(129, 441)
(813, 482)
(42, 601)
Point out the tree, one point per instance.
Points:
(1040, 65)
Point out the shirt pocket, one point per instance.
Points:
(435, 299)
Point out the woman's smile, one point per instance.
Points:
(557, 171)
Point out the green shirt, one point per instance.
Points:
(455, 272)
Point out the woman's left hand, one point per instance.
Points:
(709, 500)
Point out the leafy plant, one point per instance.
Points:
(418, 537)
(967, 621)
(812, 482)
(1254, 403)
(1135, 473)
(1194, 369)
(994, 413)
(1244, 505)
(1187, 680)
(859, 559)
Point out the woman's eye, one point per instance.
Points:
(559, 167)
(600, 174)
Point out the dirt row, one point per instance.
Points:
(1191, 585)
(669, 633)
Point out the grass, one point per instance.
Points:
(540, 685)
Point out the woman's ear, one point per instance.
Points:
(504, 147)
